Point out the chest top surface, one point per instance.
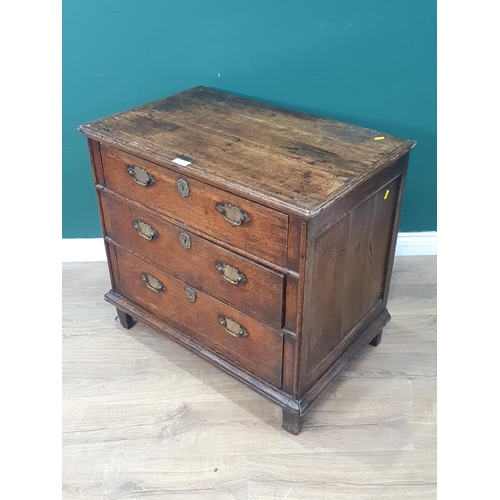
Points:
(289, 160)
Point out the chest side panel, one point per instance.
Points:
(324, 292)
(346, 278)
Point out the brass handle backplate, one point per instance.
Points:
(233, 328)
(145, 230)
(183, 187)
(153, 283)
(233, 215)
(140, 176)
(231, 274)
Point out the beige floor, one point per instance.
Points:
(144, 418)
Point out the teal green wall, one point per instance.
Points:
(364, 62)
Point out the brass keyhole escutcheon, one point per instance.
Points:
(185, 240)
(190, 294)
(183, 187)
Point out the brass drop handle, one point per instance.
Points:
(233, 328)
(234, 215)
(153, 283)
(140, 176)
(230, 273)
(145, 230)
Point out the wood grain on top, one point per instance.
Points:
(280, 157)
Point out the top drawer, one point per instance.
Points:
(254, 228)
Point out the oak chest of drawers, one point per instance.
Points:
(260, 238)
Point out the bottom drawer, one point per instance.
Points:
(237, 337)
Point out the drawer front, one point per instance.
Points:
(250, 287)
(258, 230)
(258, 350)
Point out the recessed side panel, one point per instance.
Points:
(324, 292)
(384, 212)
(347, 273)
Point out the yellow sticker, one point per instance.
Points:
(379, 138)
(386, 195)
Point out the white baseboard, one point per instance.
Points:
(424, 243)
(92, 249)
(83, 250)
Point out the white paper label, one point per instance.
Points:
(181, 162)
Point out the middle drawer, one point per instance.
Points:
(240, 282)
